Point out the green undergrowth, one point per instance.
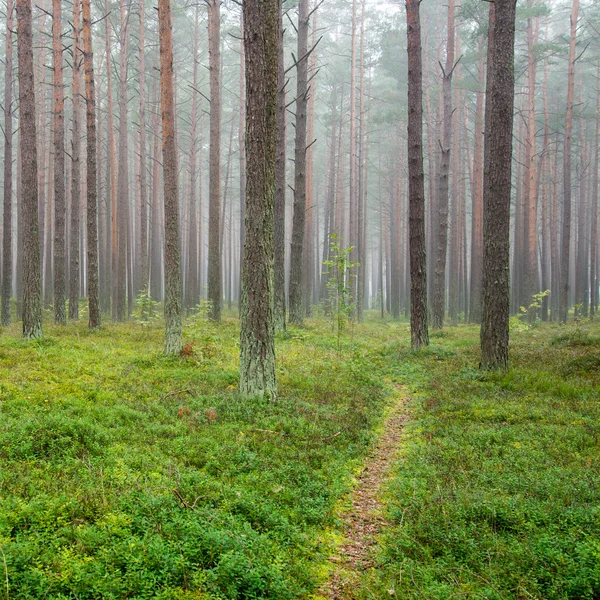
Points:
(128, 474)
(496, 493)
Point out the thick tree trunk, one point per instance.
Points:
(173, 340)
(92, 200)
(7, 255)
(257, 347)
(416, 182)
(497, 184)
(299, 217)
(214, 174)
(566, 219)
(279, 304)
(32, 304)
(242, 159)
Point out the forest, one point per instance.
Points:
(299, 299)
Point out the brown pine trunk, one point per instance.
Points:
(257, 345)
(214, 174)
(173, 340)
(416, 182)
(242, 161)
(497, 184)
(7, 256)
(566, 219)
(92, 200)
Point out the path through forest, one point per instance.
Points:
(365, 520)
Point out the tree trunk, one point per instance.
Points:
(75, 170)
(143, 182)
(214, 173)
(566, 220)
(7, 255)
(441, 232)
(497, 184)
(416, 182)
(257, 347)
(92, 200)
(173, 340)
(594, 226)
(279, 308)
(299, 217)
(60, 315)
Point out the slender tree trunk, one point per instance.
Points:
(242, 158)
(122, 175)
(299, 217)
(279, 305)
(32, 304)
(416, 182)
(214, 174)
(477, 197)
(361, 270)
(75, 170)
(7, 255)
(497, 184)
(439, 275)
(566, 219)
(173, 340)
(60, 315)
(257, 346)
(92, 201)
(594, 199)
(143, 180)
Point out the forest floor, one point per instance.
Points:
(128, 474)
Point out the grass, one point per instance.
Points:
(127, 474)
(497, 491)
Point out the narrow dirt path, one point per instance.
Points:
(364, 521)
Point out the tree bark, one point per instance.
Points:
(279, 304)
(299, 217)
(173, 340)
(257, 347)
(497, 184)
(416, 182)
(95, 319)
(215, 274)
(32, 284)
(7, 255)
(143, 181)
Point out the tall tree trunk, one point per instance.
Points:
(566, 220)
(439, 275)
(173, 340)
(497, 184)
(60, 315)
(192, 289)
(477, 197)
(279, 305)
(92, 201)
(242, 158)
(416, 182)
(361, 255)
(257, 346)
(143, 181)
(122, 176)
(32, 285)
(215, 270)
(75, 170)
(7, 225)
(594, 199)
(299, 217)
